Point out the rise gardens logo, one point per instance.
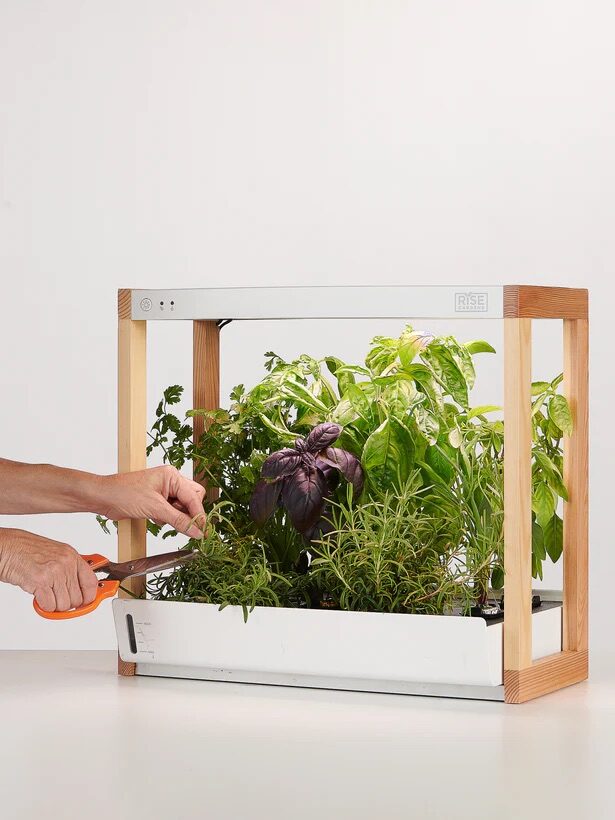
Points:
(472, 301)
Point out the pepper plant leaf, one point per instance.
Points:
(497, 577)
(388, 454)
(560, 415)
(540, 387)
(479, 346)
(338, 369)
(538, 540)
(551, 473)
(448, 373)
(427, 423)
(482, 410)
(543, 503)
(554, 537)
(440, 462)
(359, 399)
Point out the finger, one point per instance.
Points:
(187, 496)
(88, 582)
(60, 590)
(201, 521)
(74, 589)
(45, 598)
(198, 489)
(72, 582)
(179, 520)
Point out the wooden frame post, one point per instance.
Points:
(576, 473)
(205, 380)
(517, 493)
(132, 426)
(525, 679)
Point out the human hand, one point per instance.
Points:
(160, 493)
(53, 572)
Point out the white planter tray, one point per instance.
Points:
(365, 651)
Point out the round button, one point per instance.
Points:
(146, 304)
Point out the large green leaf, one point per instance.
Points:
(436, 458)
(344, 413)
(479, 346)
(388, 455)
(540, 387)
(411, 342)
(298, 392)
(401, 397)
(338, 369)
(447, 372)
(497, 577)
(359, 400)
(538, 541)
(550, 472)
(543, 502)
(463, 360)
(427, 423)
(382, 354)
(423, 376)
(483, 410)
(554, 537)
(536, 567)
(560, 415)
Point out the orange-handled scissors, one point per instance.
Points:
(115, 574)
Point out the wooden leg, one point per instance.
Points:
(205, 380)
(517, 494)
(576, 472)
(132, 421)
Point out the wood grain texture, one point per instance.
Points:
(132, 425)
(205, 380)
(539, 302)
(125, 668)
(576, 479)
(517, 493)
(124, 303)
(545, 675)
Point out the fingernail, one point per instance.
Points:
(195, 532)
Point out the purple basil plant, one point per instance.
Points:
(300, 478)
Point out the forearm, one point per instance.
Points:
(43, 488)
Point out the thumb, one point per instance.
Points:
(179, 520)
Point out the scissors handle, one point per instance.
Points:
(106, 589)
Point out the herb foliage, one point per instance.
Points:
(423, 529)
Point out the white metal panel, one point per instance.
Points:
(546, 632)
(311, 642)
(361, 302)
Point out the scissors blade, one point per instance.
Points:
(141, 566)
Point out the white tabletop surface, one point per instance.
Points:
(76, 741)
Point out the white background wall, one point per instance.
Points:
(149, 144)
